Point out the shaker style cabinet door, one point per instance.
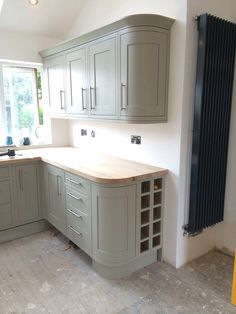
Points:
(54, 80)
(102, 78)
(76, 81)
(113, 217)
(27, 193)
(6, 210)
(55, 197)
(144, 74)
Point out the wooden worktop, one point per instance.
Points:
(88, 164)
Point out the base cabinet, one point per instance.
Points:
(113, 216)
(55, 197)
(6, 199)
(119, 226)
(19, 195)
(27, 193)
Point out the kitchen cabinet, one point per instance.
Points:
(119, 72)
(6, 206)
(91, 85)
(113, 216)
(55, 197)
(27, 193)
(54, 84)
(77, 86)
(78, 211)
(144, 74)
(102, 78)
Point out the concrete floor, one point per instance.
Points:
(43, 274)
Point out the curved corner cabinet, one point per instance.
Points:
(119, 226)
(118, 72)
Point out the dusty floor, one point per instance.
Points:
(41, 274)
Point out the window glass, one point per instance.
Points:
(23, 111)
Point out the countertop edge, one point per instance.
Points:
(95, 179)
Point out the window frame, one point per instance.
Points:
(16, 64)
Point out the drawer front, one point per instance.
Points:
(4, 172)
(4, 192)
(77, 183)
(77, 219)
(76, 200)
(80, 238)
(5, 216)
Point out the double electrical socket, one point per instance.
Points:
(136, 139)
(84, 133)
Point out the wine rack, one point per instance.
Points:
(150, 214)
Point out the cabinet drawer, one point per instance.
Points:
(4, 192)
(4, 172)
(76, 200)
(77, 183)
(77, 219)
(5, 216)
(80, 238)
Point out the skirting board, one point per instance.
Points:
(24, 230)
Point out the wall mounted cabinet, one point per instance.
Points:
(91, 79)
(118, 72)
(55, 84)
(144, 56)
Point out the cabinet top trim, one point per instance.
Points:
(94, 166)
(128, 21)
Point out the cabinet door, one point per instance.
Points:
(76, 82)
(144, 74)
(54, 75)
(6, 214)
(113, 221)
(55, 197)
(27, 193)
(102, 87)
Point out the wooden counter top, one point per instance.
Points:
(93, 166)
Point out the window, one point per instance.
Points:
(21, 105)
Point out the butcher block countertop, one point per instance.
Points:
(91, 165)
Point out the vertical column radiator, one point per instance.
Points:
(213, 97)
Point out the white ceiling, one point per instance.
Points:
(52, 18)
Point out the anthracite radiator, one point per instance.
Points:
(213, 97)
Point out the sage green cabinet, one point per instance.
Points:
(113, 216)
(27, 193)
(55, 197)
(54, 84)
(125, 66)
(77, 87)
(6, 198)
(91, 79)
(144, 74)
(102, 77)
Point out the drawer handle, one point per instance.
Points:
(79, 233)
(75, 197)
(78, 216)
(73, 181)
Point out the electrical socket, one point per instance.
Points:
(136, 139)
(83, 132)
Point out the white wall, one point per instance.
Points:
(160, 142)
(224, 234)
(23, 47)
